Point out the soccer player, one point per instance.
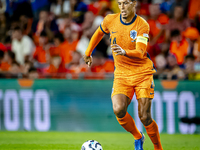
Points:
(133, 69)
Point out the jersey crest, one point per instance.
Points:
(133, 34)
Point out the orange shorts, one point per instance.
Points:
(143, 87)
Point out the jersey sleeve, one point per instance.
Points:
(96, 38)
(104, 25)
(144, 30)
(143, 33)
(141, 41)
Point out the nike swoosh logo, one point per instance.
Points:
(151, 93)
(114, 32)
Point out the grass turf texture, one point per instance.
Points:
(74, 140)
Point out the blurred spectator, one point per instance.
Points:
(181, 3)
(189, 64)
(98, 19)
(68, 46)
(60, 8)
(165, 49)
(138, 8)
(38, 5)
(104, 45)
(2, 47)
(160, 63)
(14, 24)
(177, 22)
(58, 43)
(61, 30)
(197, 46)
(54, 64)
(101, 67)
(179, 46)
(192, 36)
(27, 66)
(8, 59)
(41, 54)
(194, 8)
(15, 8)
(94, 7)
(46, 23)
(15, 68)
(173, 70)
(144, 8)
(84, 41)
(25, 24)
(56, 68)
(2, 6)
(88, 20)
(22, 45)
(197, 21)
(32, 73)
(166, 6)
(64, 22)
(101, 64)
(157, 23)
(191, 70)
(4, 26)
(98, 6)
(1, 57)
(77, 65)
(78, 9)
(7, 43)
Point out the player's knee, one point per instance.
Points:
(119, 111)
(145, 119)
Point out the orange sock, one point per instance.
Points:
(128, 124)
(153, 133)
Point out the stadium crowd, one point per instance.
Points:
(47, 38)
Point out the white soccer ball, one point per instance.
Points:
(91, 145)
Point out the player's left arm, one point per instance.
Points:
(141, 44)
(136, 53)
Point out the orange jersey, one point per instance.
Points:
(179, 50)
(40, 54)
(67, 50)
(126, 35)
(155, 26)
(4, 66)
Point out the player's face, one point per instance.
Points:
(127, 8)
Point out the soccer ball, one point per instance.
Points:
(91, 145)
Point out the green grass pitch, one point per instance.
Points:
(74, 140)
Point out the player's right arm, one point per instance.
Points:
(96, 38)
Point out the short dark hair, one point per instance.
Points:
(190, 56)
(43, 34)
(11, 55)
(32, 69)
(59, 36)
(179, 5)
(15, 63)
(17, 28)
(175, 33)
(1, 54)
